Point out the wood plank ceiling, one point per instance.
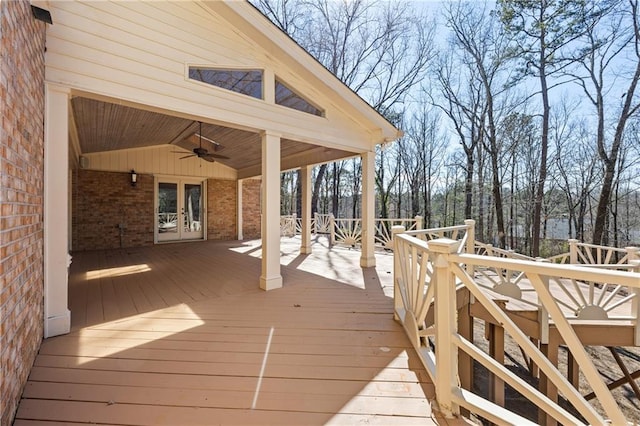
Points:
(103, 126)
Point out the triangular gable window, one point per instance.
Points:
(247, 82)
(287, 97)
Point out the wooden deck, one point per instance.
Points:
(181, 334)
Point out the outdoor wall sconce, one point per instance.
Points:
(41, 14)
(134, 178)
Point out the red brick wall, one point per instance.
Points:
(251, 208)
(103, 200)
(22, 42)
(222, 201)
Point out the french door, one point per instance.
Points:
(180, 210)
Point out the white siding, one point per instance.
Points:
(159, 160)
(139, 51)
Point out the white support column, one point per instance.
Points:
(270, 277)
(305, 175)
(239, 210)
(368, 258)
(57, 317)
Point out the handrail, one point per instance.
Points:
(426, 275)
(439, 231)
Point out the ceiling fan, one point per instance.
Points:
(199, 151)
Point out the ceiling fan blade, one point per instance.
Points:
(187, 156)
(207, 157)
(179, 152)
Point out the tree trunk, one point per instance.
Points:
(468, 184)
(480, 225)
(315, 196)
(334, 190)
(611, 159)
(544, 148)
(298, 194)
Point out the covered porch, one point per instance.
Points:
(180, 334)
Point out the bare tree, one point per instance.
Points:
(287, 192)
(575, 165)
(385, 178)
(461, 102)
(423, 154)
(484, 50)
(543, 29)
(611, 57)
(519, 131)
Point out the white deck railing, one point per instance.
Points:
(601, 256)
(427, 273)
(288, 225)
(348, 232)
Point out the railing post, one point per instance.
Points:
(419, 223)
(573, 251)
(446, 324)
(396, 229)
(397, 299)
(315, 223)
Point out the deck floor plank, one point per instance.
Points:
(182, 340)
(309, 387)
(151, 415)
(143, 395)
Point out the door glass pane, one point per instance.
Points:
(192, 195)
(167, 207)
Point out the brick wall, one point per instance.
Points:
(251, 208)
(21, 198)
(222, 199)
(101, 201)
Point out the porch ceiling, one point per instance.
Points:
(103, 126)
